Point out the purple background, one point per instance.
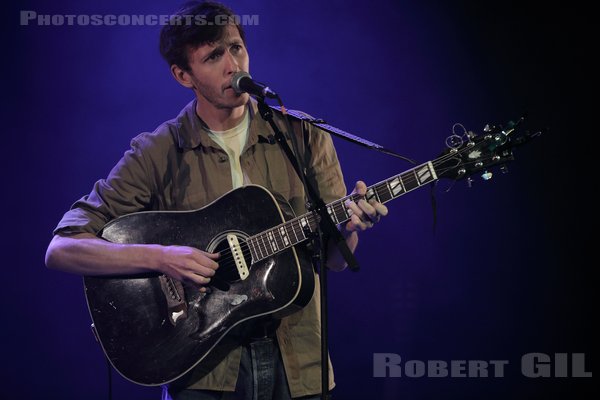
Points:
(499, 278)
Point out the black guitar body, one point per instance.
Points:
(131, 313)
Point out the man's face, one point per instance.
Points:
(212, 67)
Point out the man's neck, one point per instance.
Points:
(221, 119)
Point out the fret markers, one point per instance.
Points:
(292, 232)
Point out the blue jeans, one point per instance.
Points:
(261, 377)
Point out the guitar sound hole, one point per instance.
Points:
(227, 272)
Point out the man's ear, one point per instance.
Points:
(182, 76)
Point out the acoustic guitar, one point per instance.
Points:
(154, 329)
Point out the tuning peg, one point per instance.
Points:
(486, 176)
(469, 182)
(504, 169)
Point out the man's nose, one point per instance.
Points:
(231, 64)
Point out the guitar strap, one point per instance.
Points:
(328, 226)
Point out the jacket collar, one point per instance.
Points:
(191, 132)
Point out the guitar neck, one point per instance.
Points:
(297, 230)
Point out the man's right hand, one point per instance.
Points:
(86, 254)
(188, 264)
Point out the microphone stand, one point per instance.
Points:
(326, 230)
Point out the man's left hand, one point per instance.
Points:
(364, 214)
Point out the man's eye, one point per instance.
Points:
(236, 48)
(214, 56)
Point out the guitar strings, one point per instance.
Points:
(312, 218)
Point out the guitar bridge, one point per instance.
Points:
(175, 296)
(238, 256)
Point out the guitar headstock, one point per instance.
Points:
(468, 154)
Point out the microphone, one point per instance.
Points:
(242, 82)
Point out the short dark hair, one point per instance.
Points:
(195, 24)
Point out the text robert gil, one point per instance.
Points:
(533, 365)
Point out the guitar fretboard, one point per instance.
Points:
(297, 230)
